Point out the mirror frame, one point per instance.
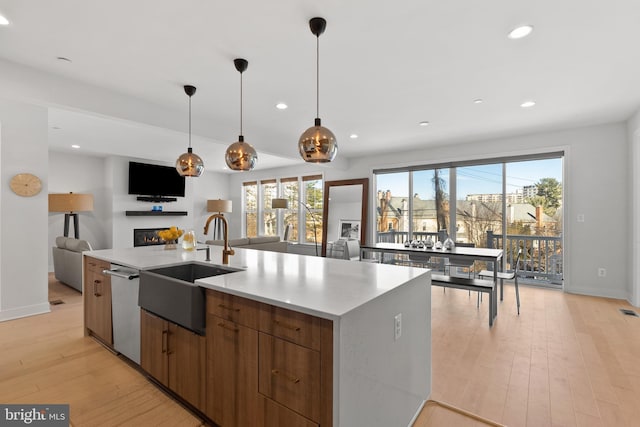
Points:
(363, 214)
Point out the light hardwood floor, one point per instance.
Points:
(567, 360)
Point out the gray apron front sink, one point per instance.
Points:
(170, 293)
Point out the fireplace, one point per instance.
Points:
(147, 236)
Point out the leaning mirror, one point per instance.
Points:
(345, 210)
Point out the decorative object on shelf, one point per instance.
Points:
(170, 236)
(284, 204)
(189, 240)
(71, 204)
(448, 244)
(25, 184)
(157, 208)
(241, 156)
(218, 206)
(318, 144)
(189, 164)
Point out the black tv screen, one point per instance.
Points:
(155, 180)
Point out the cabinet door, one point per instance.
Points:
(98, 305)
(186, 351)
(154, 336)
(232, 373)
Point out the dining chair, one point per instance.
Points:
(458, 262)
(513, 275)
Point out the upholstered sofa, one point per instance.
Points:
(67, 260)
(265, 243)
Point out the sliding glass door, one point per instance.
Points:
(512, 204)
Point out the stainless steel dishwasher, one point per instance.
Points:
(125, 283)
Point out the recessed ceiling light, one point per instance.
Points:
(56, 127)
(3, 20)
(424, 123)
(527, 104)
(520, 32)
(281, 106)
(63, 59)
(353, 136)
(478, 101)
(75, 146)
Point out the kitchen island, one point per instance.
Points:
(373, 345)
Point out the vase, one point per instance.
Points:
(170, 246)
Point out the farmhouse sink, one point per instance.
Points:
(170, 292)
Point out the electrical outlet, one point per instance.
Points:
(580, 217)
(602, 272)
(397, 326)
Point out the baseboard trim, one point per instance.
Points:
(25, 311)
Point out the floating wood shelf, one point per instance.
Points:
(156, 213)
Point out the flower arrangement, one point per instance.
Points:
(170, 236)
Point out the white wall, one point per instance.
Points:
(107, 179)
(595, 182)
(633, 134)
(23, 220)
(70, 172)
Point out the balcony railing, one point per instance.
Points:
(541, 261)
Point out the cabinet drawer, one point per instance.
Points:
(96, 265)
(232, 308)
(290, 375)
(273, 414)
(292, 326)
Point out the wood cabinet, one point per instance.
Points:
(97, 300)
(267, 366)
(232, 377)
(174, 356)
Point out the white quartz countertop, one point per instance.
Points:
(323, 287)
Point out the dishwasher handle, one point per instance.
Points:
(129, 276)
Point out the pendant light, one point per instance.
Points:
(189, 164)
(240, 155)
(318, 144)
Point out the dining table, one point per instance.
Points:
(491, 255)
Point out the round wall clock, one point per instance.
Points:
(25, 184)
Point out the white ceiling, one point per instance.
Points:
(384, 67)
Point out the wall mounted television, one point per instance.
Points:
(155, 180)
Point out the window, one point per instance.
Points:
(313, 199)
(290, 190)
(250, 197)
(269, 220)
(509, 203)
(303, 215)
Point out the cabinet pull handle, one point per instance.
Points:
(165, 340)
(287, 325)
(224, 307)
(95, 288)
(291, 378)
(223, 325)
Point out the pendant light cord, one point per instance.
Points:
(189, 121)
(318, 76)
(240, 103)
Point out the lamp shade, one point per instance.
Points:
(70, 202)
(219, 205)
(279, 203)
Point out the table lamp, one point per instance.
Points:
(70, 204)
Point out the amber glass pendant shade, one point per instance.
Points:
(241, 156)
(189, 164)
(318, 144)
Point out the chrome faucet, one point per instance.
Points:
(227, 250)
